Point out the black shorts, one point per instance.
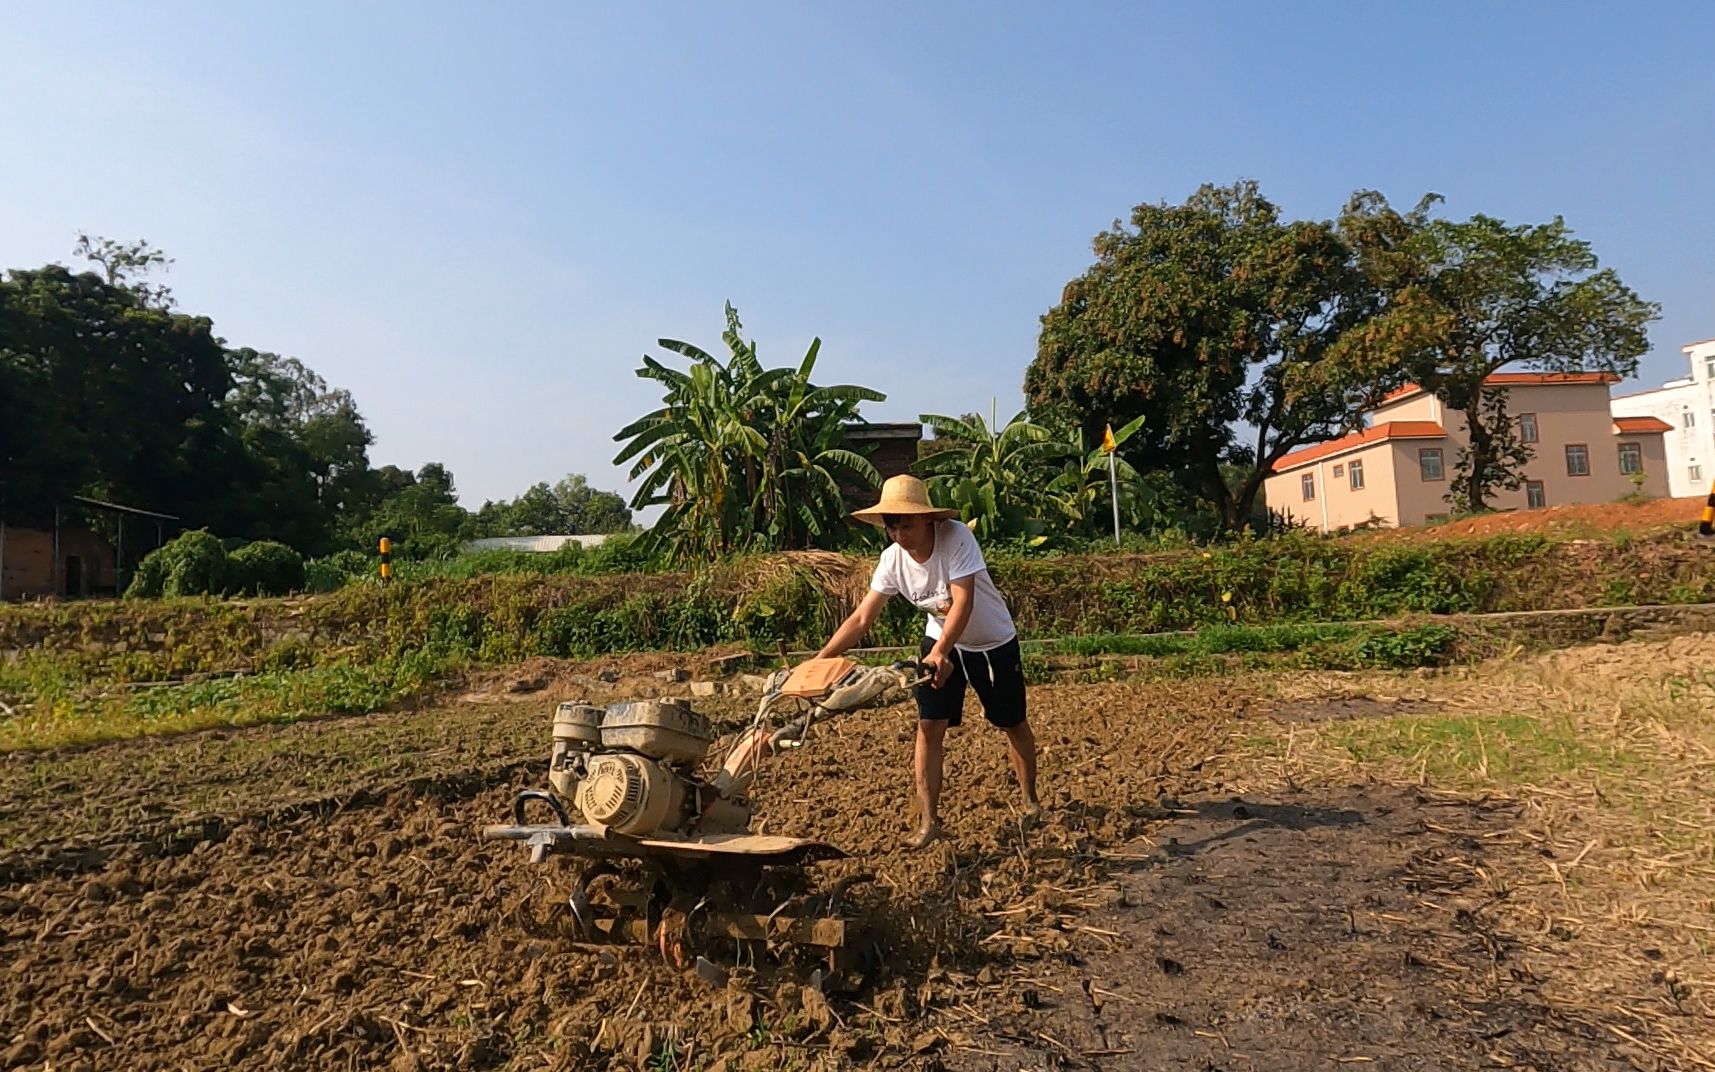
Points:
(997, 675)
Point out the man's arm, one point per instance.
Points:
(856, 625)
(962, 593)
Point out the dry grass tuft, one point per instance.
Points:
(843, 578)
(1610, 752)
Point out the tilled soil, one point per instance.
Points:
(370, 928)
(1293, 931)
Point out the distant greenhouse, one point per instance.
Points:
(535, 544)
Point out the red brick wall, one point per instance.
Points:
(27, 569)
(891, 456)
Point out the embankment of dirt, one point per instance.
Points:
(799, 598)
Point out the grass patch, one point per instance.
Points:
(1473, 751)
(1209, 640)
(1225, 649)
(270, 697)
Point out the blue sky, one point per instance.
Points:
(478, 218)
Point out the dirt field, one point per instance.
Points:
(1248, 873)
(1588, 517)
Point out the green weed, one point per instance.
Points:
(1475, 750)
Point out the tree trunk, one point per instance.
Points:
(1482, 458)
(1244, 504)
(1215, 490)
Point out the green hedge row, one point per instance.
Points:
(505, 617)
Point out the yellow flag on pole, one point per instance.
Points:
(1108, 444)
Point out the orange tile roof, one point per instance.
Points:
(1640, 425)
(1515, 379)
(1373, 434)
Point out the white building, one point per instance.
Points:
(1687, 404)
(533, 544)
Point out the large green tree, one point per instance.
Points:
(420, 514)
(110, 392)
(1196, 317)
(1466, 299)
(131, 265)
(743, 457)
(569, 506)
(108, 395)
(306, 449)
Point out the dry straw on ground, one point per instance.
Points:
(1610, 752)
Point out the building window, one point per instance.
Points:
(1695, 472)
(1527, 427)
(1687, 419)
(1534, 498)
(1308, 482)
(1429, 460)
(1339, 472)
(1631, 459)
(1356, 470)
(1709, 368)
(1577, 459)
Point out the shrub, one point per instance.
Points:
(190, 564)
(1422, 645)
(266, 568)
(333, 572)
(149, 578)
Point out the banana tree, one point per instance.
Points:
(744, 457)
(1083, 482)
(1002, 481)
(685, 451)
(798, 497)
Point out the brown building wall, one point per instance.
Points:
(1337, 504)
(1421, 499)
(894, 450)
(1568, 414)
(28, 570)
(893, 456)
(1421, 406)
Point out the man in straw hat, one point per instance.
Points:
(934, 562)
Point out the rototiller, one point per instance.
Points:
(663, 855)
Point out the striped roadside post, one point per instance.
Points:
(386, 560)
(1706, 526)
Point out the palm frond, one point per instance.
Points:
(843, 392)
(643, 439)
(960, 429)
(808, 365)
(694, 352)
(851, 461)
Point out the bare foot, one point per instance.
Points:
(927, 833)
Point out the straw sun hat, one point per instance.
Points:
(903, 494)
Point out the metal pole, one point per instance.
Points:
(54, 567)
(119, 561)
(1114, 486)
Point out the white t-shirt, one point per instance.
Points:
(926, 584)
